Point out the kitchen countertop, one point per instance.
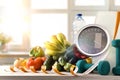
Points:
(6, 74)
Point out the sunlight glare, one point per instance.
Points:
(13, 18)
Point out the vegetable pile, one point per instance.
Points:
(58, 55)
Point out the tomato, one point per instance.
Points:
(36, 62)
(43, 58)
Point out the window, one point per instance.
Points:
(45, 25)
(90, 2)
(51, 4)
(47, 20)
(13, 24)
(117, 2)
(115, 5)
(31, 22)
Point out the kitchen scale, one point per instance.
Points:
(93, 40)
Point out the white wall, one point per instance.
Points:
(108, 20)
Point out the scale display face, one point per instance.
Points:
(92, 40)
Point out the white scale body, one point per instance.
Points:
(107, 19)
(93, 40)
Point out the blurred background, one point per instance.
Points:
(28, 23)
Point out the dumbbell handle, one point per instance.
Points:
(86, 66)
(118, 56)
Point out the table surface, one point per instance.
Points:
(6, 74)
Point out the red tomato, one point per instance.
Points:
(36, 62)
(43, 58)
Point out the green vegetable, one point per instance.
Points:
(67, 66)
(49, 62)
(56, 57)
(62, 61)
(58, 66)
(37, 52)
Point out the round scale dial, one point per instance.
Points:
(92, 40)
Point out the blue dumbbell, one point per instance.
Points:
(116, 69)
(103, 67)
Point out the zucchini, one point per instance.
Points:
(49, 62)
